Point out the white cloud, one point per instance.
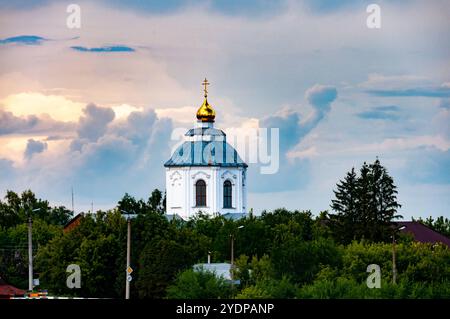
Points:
(255, 65)
(405, 143)
(380, 81)
(184, 115)
(123, 110)
(307, 153)
(34, 103)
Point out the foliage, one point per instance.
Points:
(345, 288)
(281, 254)
(94, 245)
(365, 205)
(199, 284)
(14, 213)
(302, 259)
(17, 208)
(269, 288)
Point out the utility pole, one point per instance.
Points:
(128, 270)
(30, 250)
(394, 267)
(127, 285)
(394, 255)
(232, 264)
(30, 255)
(232, 253)
(232, 258)
(73, 208)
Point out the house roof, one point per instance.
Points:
(8, 290)
(219, 269)
(422, 233)
(74, 219)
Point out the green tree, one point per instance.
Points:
(159, 263)
(97, 245)
(301, 260)
(14, 249)
(346, 206)
(365, 205)
(384, 203)
(156, 201)
(199, 284)
(269, 288)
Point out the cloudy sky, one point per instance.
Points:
(94, 108)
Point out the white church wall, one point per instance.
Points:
(180, 184)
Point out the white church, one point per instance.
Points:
(205, 174)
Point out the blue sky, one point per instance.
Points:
(94, 108)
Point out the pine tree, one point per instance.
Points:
(365, 205)
(387, 204)
(345, 205)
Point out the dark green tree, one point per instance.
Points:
(365, 205)
(383, 204)
(346, 206)
(155, 201)
(200, 284)
(159, 263)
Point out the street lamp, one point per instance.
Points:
(30, 250)
(128, 270)
(232, 258)
(394, 266)
(232, 246)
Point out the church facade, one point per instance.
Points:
(205, 173)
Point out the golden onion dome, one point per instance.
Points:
(206, 113)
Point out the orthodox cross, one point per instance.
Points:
(205, 83)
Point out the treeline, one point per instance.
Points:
(15, 210)
(279, 254)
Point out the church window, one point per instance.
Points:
(200, 193)
(227, 188)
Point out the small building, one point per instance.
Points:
(74, 222)
(219, 269)
(8, 291)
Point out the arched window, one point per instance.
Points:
(227, 188)
(200, 193)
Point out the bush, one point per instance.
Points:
(269, 288)
(350, 289)
(191, 284)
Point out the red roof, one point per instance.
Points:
(8, 290)
(422, 233)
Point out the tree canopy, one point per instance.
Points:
(278, 254)
(365, 205)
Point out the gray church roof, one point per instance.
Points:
(205, 153)
(205, 131)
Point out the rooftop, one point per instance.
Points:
(205, 153)
(422, 233)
